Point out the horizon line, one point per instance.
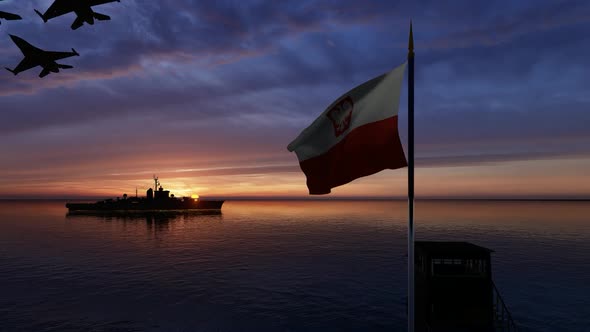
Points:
(328, 198)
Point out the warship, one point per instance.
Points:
(155, 200)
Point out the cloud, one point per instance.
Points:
(494, 81)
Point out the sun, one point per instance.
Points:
(195, 196)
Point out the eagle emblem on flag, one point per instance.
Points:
(341, 115)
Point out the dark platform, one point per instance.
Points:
(454, 289)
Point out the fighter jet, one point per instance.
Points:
(82, 8)
(9, 16)
(37, 57)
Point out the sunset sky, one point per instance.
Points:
(208, 94)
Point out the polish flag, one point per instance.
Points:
(354, 137)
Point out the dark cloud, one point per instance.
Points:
(490, 76)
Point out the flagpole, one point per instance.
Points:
(411, 181)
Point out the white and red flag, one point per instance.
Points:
(354, 137)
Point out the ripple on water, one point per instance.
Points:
(277, 266)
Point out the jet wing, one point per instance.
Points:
(101, 2)
(9, 16)
(25, 64)
(60, 55)
(58, 8)
(23, 45)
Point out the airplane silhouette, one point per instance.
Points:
(82, 8)
(37, 57)
(9, 16)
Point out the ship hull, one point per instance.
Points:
(145, 206)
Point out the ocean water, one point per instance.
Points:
(278, 265)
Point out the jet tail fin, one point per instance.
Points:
(41, 15)
(75, 53)
(10, 70)
(101, 17)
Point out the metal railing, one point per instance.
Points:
(502, 318)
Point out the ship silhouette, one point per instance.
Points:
(155, 200)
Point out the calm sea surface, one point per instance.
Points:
(278, 266)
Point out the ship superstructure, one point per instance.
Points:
(156, 199)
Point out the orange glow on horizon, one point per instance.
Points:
(525, 178)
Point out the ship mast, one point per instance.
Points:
(156, 183)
